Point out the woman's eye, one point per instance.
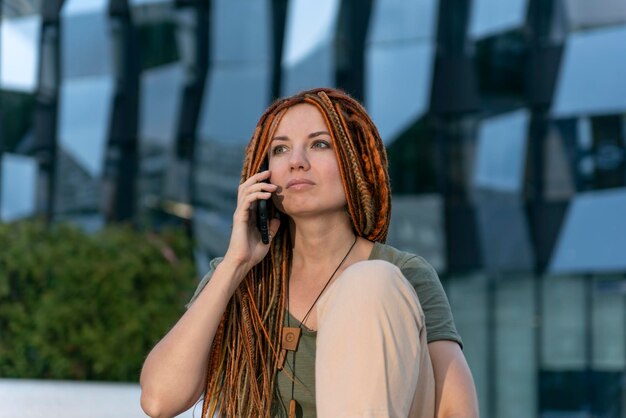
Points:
(278, 150)
(321, 144)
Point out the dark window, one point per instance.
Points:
(17, 118)
(412, 160)
(588, 393)
(500, 64)
(157, 44)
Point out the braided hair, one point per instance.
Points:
(243, 360)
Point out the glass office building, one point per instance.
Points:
(504, 120)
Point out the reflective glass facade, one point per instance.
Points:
(19, 46)
(19, 182)
(504, 121)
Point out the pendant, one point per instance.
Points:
(291, 338)
(292, 408)
(290, 341)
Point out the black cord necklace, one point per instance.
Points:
(291, 335)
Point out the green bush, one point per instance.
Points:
(87, 307)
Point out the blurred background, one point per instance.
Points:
(504, 120)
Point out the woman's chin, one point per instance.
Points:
(303, 212)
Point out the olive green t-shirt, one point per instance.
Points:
(439, 326)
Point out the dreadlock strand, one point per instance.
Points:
(363, 192)
(258, 322)
(274, 291)
(376, 172)
(246, 328)
(362, 186)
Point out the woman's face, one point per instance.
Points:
(304, 166)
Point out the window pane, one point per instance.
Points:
(84, 120)
(398, 85)
(19, 179)
(161, 90)
(75, 7)
(147, 2)
(417, 227)
(609, 325)
(515, 348)
(509, 251)
(17, 118)
(489, 17)
(593, 237)
(309, 27)
(308, 54)
(501, 154)
(398, 20)
(19, 49)
(591, 75)
(563, 323)
(242, 31)
(583, 14)
(218, 173)
(78, 193)
(235, 98)
(86, 42)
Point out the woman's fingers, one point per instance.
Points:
(257, 178)
(254, 189)
(252, 197)
(266, 187)
(253, 185)
(245, 205)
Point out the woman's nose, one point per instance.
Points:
(299, 160)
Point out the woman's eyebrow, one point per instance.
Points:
(318, 133)
(311, 135)
(280, 138)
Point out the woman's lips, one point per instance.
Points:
(299, 184)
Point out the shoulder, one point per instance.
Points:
(205, 279)
(414, 267)
(432, 297)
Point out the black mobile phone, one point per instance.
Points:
(262, 214)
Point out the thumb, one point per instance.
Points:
(274, 225)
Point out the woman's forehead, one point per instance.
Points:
(301, 116)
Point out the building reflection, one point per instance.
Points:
(505, 124)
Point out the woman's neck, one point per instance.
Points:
(320, 241)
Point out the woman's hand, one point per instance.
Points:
(246, 247)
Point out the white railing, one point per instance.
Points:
(21, 398)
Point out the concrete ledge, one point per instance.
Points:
(21, 398)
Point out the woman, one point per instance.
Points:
(322, 319)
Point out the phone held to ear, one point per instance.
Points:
(262, 213)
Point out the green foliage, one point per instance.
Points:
(80, 306)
